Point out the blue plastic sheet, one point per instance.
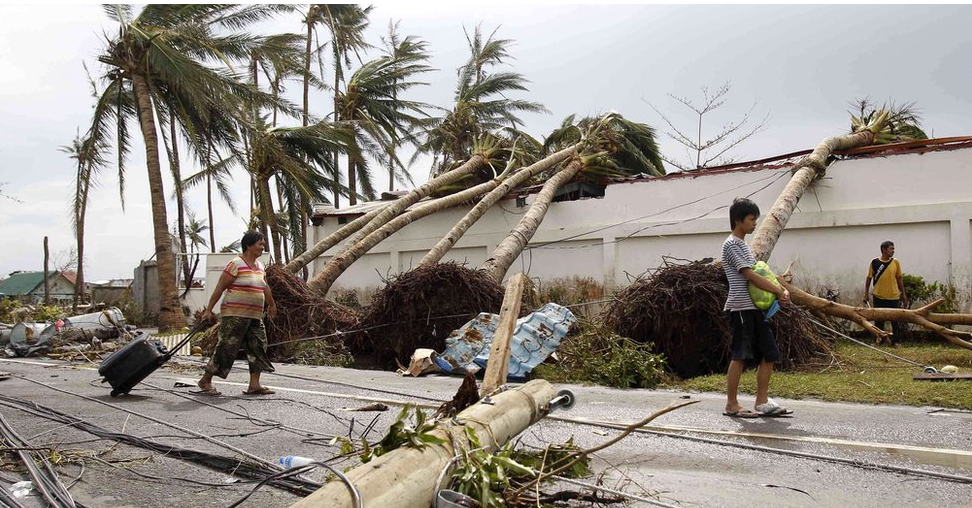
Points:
(534, 338)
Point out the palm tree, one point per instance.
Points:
(347, 23)
(371, 105)
(377, 218)
(302, 156)
(408, 49)
(481, 104)
(519, 178)
(903, 123)
(89, 157)
(337, 265)
(611, 146)
(158, 61)
(865, 130)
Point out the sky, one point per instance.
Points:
(800, 66)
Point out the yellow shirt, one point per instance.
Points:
(886, 287)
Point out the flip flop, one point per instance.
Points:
(262, 391)
(742, 413)
(772, 409)
(211, 392)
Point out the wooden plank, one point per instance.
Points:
(499, 352)
(940, 376)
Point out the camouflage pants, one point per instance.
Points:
(235, 333)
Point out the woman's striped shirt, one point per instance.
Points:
(244, 298)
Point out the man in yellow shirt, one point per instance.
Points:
(889, 290)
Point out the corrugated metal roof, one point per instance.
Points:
(21, 283)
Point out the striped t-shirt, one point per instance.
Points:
(736, 256)
(244, 298)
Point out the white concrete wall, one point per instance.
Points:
(922, 202)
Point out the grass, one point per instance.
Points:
(859, 374)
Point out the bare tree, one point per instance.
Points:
(712, 150)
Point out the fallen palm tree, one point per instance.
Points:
(485, 151)
(610, 145)
(678, 308)
(338, 264)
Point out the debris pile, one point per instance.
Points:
(419, 309)
(678, 307)
(303, 313)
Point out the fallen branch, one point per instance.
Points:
(865, 316)
(577, 456)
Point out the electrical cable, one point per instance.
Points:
(355, 495)
(621, 493)
(892, 355)
(225, 464)
(45, 479)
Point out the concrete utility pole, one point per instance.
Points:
(405, 477)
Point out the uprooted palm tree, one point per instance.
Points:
(158, 59)
(610, 146)
(358, 229)
(508, 179)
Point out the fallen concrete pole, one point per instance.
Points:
(405, 478)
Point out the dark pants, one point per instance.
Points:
(896, 328)
(752, 338)
(237, 333)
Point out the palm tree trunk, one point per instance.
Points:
(79, 281)
(170, 313)
(267, 216)
(180, 203)
(304, 202)
(336, 266)
(79, 231)
(331, 240)
(337, 118)
(209, 206)
(453, 236)
(352, 184)
(47, 282)
(512, 246)
(307, 64)
(807, 169)
(475, 163)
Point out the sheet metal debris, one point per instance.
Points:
(535, 337)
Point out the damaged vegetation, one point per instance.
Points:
(678, 307)
(418, 309)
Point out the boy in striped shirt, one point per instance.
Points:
(752, 338)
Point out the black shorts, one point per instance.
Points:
(752, 338)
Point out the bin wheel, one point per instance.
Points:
(930, 370)
(114, 393)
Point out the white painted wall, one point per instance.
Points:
(922, 202)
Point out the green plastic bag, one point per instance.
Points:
(763, 300)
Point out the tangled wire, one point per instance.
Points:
(420, 308)
(678, 307)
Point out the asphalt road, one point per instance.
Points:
(710, 462)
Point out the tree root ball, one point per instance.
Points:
(679, 308)
(418, 309)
